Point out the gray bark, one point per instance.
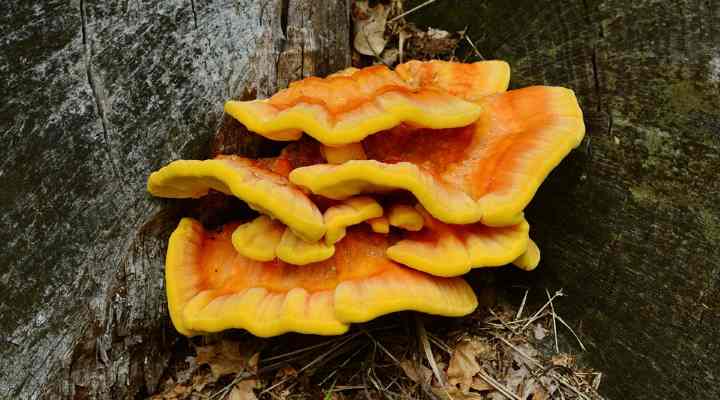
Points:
(629, 224)
(96, 95)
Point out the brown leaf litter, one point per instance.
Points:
(381, 35)
(493, 354)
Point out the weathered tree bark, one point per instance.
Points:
(629, 224)
(96, 95)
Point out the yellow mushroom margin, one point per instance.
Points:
(523, 135)
(405, 216)
(470, 81)
(258, 239)
(530, 259)
(212, 288)
(263, 190)
(346, 108)
(352, 211)
(453, 250)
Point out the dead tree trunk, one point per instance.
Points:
(97, 95)
(629, 224)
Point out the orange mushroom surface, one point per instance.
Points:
(346, 107)
(467, 81)
(254, 182)
(455, 156)
(451, 250)
(211, 287)
(485, 172)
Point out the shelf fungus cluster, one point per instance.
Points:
(394, 184)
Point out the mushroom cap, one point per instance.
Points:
(296, 251)
(264, 239)
(259, 238)
(469, 81)
(486, 172)
(405, 217)
(352, 211)
(211, 287)
(254, 182)
(530, 259)
(347, 107)
(379, 225)
(451, 250)
(340, 154)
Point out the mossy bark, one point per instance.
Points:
(96, 95)
(629, 224)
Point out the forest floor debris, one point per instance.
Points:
(497, 353)
(382, 35)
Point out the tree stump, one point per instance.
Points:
(628, 224)
(96, 96)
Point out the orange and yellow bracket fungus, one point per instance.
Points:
(405, 217)
(349, 106)
(467, 81)
(379, 225)
(486, 172)
(448, 134)
(340, 154)
(258, 239)
(264, 239)
(296, 251)
(211, 287)
(352, 211)
(261, 188)
(451, 250)
(530, 259)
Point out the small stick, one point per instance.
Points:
(537, 313)
(582, 346)
(552, 310)
(477, 52)
(401, 44)
(522, 304)
(498, 386)
(412, 10)
(557, 377)
(422, 336)
(311, 363)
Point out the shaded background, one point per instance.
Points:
(629, 223)
(97, 95)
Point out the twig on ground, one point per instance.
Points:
(538, 312)
(522, 305)
(554, 317)
(582, 346)
(498, 386)
(477, 52)
(412, 10)
(425, 346)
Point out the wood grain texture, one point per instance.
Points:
(97, 95)
(629, 224)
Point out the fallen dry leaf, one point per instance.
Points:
(480, 385)
(369, 28)
(243, 391)
(417, 372)
(454, 393)
(563, 360)
(226, 357)
(463, 363)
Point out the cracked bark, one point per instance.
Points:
(92, 88)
